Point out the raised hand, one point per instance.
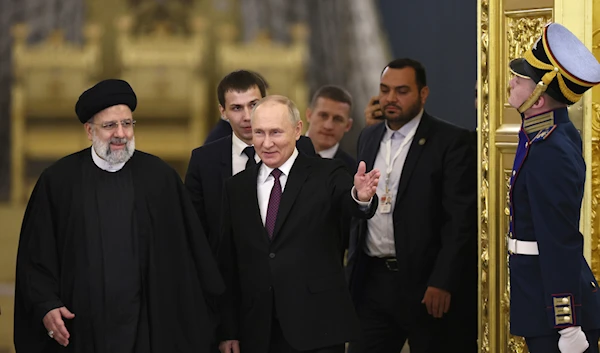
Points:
(366, 183)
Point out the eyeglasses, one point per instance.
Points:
(112, 125)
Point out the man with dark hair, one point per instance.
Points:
(554, 298)
(211, 164)
(239, 80)
(413, 267)
(112, 257)
(329, 119)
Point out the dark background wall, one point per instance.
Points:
(442, 35)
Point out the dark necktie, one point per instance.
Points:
(274, 201)
(249, 151)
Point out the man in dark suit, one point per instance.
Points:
(279, 250)
(210, 165)
(223, 127)
(413, 266)
(329, 119)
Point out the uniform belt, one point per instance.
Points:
(521, 247)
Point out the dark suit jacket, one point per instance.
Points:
(209, 167)
(298, 273)
(435, 216)
(348, 160)
(222, 129)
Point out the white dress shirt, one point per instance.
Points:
(265, 182)
(380, 228)
(238, 157)
(104, 165)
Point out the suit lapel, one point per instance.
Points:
(372, 146)
(416, 147)
(298, 174)
(226, 163)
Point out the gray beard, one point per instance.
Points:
(113, 157)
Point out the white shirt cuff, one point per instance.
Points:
(362, 204)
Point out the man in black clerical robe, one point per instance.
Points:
(112, 257)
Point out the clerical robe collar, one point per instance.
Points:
(104, 165)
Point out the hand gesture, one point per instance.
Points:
(365, 183)
(53, 321)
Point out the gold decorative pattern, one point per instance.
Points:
(515, 344)
(594, 234)
(484, 145)
(523, 28)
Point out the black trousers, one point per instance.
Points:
(390, 315)
(280, 345)
(549, 344)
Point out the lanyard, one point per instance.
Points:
(390, 164)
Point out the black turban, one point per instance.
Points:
(103, 95)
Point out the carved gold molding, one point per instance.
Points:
(595, 238)
(483, 172)
(595, 163)
(523, 28)
(503, 35)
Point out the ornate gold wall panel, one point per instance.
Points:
(507, 28)
(595, 199)
(595, 150)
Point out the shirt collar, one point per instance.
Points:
(104, 165)
(237, 145)
(285, 168)
(406, 129)
(330, 152)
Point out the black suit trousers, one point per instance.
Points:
(389, 317)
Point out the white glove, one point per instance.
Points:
(572, 340)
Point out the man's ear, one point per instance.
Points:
(88, 129)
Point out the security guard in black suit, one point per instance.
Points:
(555, 302)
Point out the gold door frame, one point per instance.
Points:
(505, 31)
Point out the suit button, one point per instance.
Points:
(272, 255)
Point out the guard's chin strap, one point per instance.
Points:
(540, 88)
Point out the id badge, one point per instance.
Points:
(386, 204)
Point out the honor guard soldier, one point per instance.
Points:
(555, 302)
